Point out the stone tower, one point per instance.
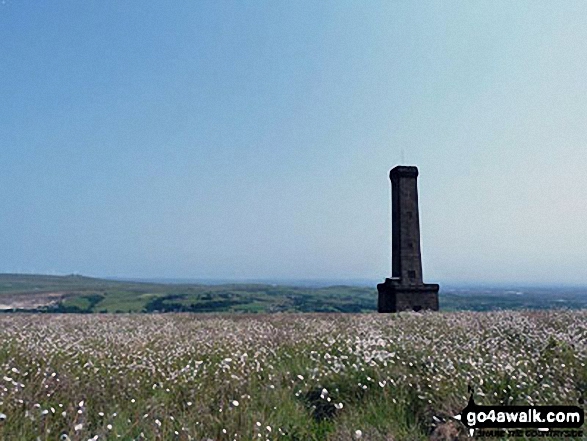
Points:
(405, 290)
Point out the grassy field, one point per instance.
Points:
(77, 294)
(279, 376)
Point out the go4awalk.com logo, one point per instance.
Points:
(543, 421)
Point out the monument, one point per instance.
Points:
(405, 290)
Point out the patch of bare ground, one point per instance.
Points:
(448, 431)
(30, 300)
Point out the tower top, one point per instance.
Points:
(403, 171)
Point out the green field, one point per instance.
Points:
(234, 372)
(80, 294)
(279, 376)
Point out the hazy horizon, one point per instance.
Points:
(445, 285)
(217, 140)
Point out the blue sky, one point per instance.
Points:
(241, 140)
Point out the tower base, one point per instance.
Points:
(395, 296)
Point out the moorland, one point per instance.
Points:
(79, 294)
(335, 377)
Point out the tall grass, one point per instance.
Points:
(292, 377)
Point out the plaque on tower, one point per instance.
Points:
(405, 290)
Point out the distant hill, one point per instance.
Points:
(80, 294)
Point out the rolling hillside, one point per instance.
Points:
(79, 294)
